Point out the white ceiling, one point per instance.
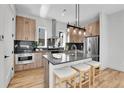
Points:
(87, 11)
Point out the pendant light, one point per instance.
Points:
(76, 27)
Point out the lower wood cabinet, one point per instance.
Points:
(38, 62)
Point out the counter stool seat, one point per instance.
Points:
(96, 70)
(65, 74)
(84, 74)
(81, 67)
(94, 63)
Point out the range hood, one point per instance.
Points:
(54, 28)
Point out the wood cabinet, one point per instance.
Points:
(25, 28)
(38, 59)
(19, 28)
(75, 36)
(92, 29)
(38, 62)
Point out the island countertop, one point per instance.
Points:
(60, 58)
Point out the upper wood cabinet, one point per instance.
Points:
(25, 28)
(92, 29)
(77, 36)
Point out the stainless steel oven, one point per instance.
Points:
(24, 58)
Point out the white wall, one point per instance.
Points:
(91, 20)
(103, 40)
(60, 27)
(116, 41)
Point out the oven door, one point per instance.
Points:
(24, 58)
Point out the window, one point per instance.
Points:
(42, 36)
(62, 38)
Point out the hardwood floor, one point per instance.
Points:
(28, 79)
(110, 79)
(34, 79)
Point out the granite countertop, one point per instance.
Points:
(66, 57)
(48, 51)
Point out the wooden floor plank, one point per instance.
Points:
(34, 79)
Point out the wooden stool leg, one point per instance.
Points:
(74, 81)
(90, 77)
(100, 71)
(66, 84)
(93, 80)
(60, 82)
(54, 85)
(80, 79)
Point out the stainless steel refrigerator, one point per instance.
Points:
(91, 47)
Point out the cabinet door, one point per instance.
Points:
(27, 29)
(19, 67)
(38, 59)
(20, 33)
(95, 30)
(32, 30)
(92, 29)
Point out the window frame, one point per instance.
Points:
(45, 45)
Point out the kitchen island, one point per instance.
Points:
(58, 60)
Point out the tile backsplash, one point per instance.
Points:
(79, 46)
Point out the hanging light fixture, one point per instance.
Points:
(76, 27)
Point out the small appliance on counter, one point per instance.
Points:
(23, 51)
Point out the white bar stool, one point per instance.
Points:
(96, 69)
(65, 74)
(84, 75)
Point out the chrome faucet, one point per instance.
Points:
(74, 47)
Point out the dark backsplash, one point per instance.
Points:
(21, 46)
(79, 45)
(51, 42)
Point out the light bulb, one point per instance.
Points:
(74, 31)
(84, 33)
(79, 32)
(68, 30)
